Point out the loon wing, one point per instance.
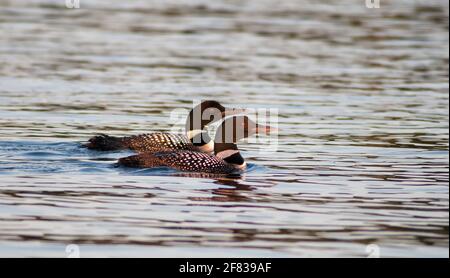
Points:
(151, 142)
(156, 142)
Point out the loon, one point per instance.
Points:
(226, 159)
(196, 138)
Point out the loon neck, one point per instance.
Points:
(229, 152)
(201, 139)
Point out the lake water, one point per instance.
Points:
(362, 153)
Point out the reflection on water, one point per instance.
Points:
(362, 157)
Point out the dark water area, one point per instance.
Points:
(362, 154)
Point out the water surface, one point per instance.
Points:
(362, 157)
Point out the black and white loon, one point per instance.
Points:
(226, 159)
(196, 138)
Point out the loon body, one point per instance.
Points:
(196, 138)
(226, 159)
(189, 161)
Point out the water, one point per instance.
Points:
(362, 157)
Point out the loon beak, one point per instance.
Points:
(265, 129)
(233, 111)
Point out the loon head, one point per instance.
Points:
(230, 132)
(205, 113)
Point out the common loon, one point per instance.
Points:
(196, 138)
(226, 159)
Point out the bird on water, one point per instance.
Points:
(195, 139)
(226, 159)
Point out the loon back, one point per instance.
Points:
(151, 142)
(180, 160)
(159, 141)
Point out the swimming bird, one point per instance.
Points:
(195, 139)
(226, 159)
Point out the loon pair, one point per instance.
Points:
(191, 152)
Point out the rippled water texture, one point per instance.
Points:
(362, 156)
